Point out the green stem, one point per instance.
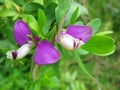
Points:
(35, 72)
(81, 65)
(31, 69)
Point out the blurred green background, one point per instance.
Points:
(66, 74)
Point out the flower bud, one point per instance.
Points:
(20, 53)
(69, 42)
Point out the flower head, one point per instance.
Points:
(74, 36)
(45, 52)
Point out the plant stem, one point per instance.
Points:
(35, 72)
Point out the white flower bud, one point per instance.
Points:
(69, 42)
(20, 53)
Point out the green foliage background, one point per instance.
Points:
(66, 74)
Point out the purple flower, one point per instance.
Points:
(45, 52)
(74, 36)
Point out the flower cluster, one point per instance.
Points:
(45, 52)
(70, 38)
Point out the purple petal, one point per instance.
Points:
(45, 53)
(21, 31)
(81, 32)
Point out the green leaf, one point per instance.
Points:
(59, 15)
(74, 11)
(95, 24)
(50, 15)
(41, 20)
(32, 8)
(61, 10)
(81, 65)
(32, 23)
(7, 13)
(64, 4)
(100, 45)
(75, 15)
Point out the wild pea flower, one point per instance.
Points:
(74, 36)
(45, 52)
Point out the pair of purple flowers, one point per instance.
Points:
(73, 37)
